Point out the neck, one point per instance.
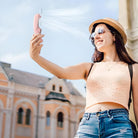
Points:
(111, 56)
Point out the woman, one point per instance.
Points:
(107, 81)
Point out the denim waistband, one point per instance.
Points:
(107, 112)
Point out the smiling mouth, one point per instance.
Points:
(99, 41)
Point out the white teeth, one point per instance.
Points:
(100, 41)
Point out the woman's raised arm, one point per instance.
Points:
(73, 72)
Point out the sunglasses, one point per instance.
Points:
(100, 31)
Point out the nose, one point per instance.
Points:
(97, 36)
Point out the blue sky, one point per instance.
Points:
(65, 25)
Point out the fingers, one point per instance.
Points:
(36, 36)
(36, 40)
(37, 43)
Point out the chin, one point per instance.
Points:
(100, 48)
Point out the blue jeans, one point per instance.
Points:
(112, 123)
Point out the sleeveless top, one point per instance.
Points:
(108, 86)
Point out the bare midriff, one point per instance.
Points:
(102, 107)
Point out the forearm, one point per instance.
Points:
(50, 67)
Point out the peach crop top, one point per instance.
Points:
(108, 82)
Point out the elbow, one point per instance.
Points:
(61, 76)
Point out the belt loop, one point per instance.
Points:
(108, 113)
(88, 116)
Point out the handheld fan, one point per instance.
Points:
(37, 29)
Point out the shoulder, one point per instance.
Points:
(84, 66)
(88, 66)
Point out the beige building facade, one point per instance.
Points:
(128, 17)
(33, 106)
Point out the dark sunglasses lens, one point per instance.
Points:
(92, 36)
(100, 31)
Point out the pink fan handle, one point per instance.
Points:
(37, 29)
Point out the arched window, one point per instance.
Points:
(28, 117)
(20, 116)
(47, 118)
(53, 87)
(60, 119)
(60, 88)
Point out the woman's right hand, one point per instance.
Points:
(35, 46)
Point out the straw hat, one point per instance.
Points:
(115, 24)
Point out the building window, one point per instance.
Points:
(28, 117)
(20, 116)
(48, 118)
(53, 87)
(60, 88)
(60, 120)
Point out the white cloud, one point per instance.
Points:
(66, 20)
(15, 59)
(5, 33)
(77, 11)
(60, 26)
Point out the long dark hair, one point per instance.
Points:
(120, 47)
